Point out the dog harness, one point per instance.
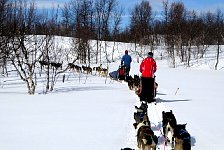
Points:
(184, 134)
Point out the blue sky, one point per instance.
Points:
(197, 5)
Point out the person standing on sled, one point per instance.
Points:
(147, 67)
(126, 61)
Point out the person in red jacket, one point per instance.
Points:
(148, 68)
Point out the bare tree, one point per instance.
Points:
(175, 16)
(189, 35)
(24, 47)
(52, 53)
(105, 9)
(82, 19)
(116, 29)
(4, 34)
(219, 30)
(140, 22)
(168, 35)
(67, 20)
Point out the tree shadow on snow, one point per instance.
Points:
(14, 93)
(73, 89)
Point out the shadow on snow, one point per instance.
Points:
(158, 100)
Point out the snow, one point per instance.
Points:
(91, 112)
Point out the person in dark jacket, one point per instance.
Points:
(126, 61)
(147, 67)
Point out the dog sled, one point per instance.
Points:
(118, 74)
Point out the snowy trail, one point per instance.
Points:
(155, 117)
(67, 112)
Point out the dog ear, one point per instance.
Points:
(135, 125)
(171, 111)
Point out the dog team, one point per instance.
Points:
(102, 72)
(174, 134)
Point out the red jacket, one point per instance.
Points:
(148, 67)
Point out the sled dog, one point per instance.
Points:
(145, 136)
(169, 122)
(182, 138)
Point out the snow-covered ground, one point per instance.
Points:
(91, 112)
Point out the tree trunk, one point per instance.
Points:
(31, 85)
(217, 57)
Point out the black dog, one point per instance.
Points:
(182, 138)
(130, 81)
(141, 113)
(169, 123)
(136, 82)
(143, 107)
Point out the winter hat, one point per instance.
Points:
(150, 54)
(126, 51)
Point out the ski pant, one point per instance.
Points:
(147, 89)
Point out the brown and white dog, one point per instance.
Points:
(98, 69)
(102, 72)
(87, 69)
(145, 136)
